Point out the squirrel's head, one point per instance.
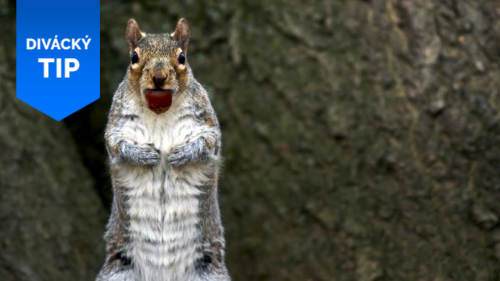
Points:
(159, 70)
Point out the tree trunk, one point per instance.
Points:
(360, 137)
(51, 219)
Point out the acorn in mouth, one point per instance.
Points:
(158, 100)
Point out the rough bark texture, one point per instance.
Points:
(360, 137)
(51, 220)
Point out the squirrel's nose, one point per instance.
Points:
(159, 80)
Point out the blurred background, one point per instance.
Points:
(360, 141)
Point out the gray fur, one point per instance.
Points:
(189, 153)
(139, 154)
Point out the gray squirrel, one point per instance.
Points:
(164, 144)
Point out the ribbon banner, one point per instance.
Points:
(58, 59)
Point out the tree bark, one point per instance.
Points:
(360, 137)
(52, 220)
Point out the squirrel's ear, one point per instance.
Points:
(134, 34)
(181, 34)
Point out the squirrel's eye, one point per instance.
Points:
(181, 59)
(135, 58)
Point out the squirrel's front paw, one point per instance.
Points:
(139, 154)
(187, 153)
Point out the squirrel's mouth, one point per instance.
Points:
(158, 100)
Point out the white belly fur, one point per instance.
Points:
(162, 204)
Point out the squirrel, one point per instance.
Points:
(164, 151)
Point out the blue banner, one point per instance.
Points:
(58, 56)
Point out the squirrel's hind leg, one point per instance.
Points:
(116, 271)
